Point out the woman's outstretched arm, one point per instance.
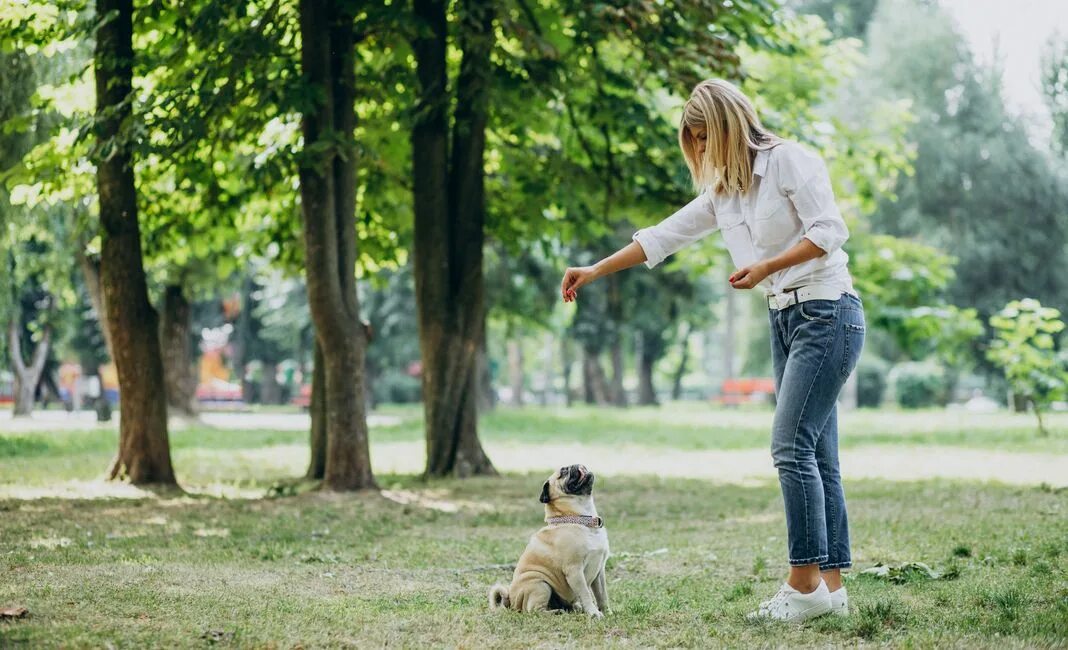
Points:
(630, 255)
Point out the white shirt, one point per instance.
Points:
(790, 199)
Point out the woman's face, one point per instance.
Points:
(700, 137)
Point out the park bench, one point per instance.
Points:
(747, 390)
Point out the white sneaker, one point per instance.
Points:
(840, 602)
(792, 605)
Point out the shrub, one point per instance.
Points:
(871, 381)
(396, 386)
(918, 384)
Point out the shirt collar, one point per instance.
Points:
(760, 163)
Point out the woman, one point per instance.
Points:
(773, 202)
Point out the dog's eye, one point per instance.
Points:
(563, 470)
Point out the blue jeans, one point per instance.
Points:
(814, 345)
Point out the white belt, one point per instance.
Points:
(803, 294)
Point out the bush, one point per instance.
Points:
(918, 384)
(871, 381)
(397, 387)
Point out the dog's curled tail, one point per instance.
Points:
(498, 597)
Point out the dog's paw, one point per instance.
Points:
(596, 614)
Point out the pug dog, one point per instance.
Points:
(562, 568)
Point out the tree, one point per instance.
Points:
(905, 287)
(328, 196)
(1025, 348)
(1055, 89)
(144, 448)
(980, 190)
(449, 200)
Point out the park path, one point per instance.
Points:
(890, 462)
(745, 466)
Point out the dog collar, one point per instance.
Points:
(583, 520)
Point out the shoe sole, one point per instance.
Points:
(800, 617)
(803, 616)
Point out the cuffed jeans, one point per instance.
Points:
(815, 345)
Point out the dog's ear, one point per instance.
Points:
(545, 493)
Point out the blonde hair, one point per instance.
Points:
(733, 135)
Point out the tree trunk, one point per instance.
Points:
(26, 377)
(1042, 431)
(487, 396)
(91, 271)
(617, 394)
(595, 382)
(241, 336)
(515, 371)
(178, 371)
(547, 370)
(646, 364)
(328, 202)
(317, 410)
(565, 354)
(449, 201)
(144, 448)
(680, 372)
(728, 334)
(270, 389)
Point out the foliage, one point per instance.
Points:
(845, 18)
(981, 191)
(810, 95)
(1026, 349)
(904, 287)
(918, 384)
(871, 381)
(1054, 69)
(904, 572)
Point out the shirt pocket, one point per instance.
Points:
(738, 238)
(774, 221)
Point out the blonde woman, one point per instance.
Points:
(772, 201)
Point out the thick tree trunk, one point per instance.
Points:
(646, 364)
(317, 410)
(144, 448)
(515, 372)
(178, 371)
(449, 217)
(26, 376)
(328, 202)
(684, 358)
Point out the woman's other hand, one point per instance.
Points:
(575, 277)
(750, 276)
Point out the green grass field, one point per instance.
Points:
(410, 567)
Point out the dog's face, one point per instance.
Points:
(573, 480)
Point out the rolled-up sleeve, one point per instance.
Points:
(695, 220)
(804, 179)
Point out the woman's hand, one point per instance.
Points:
(750, 276)
(575, 277)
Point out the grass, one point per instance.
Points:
(368, 571)
(261, 455)
(411, 567)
